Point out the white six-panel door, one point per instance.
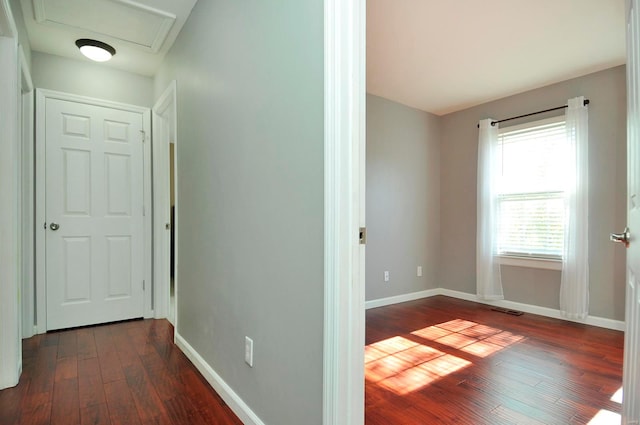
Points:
(94, 214)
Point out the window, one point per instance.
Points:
(530, 187)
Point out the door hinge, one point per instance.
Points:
(363, 236)
(143, 285)
(144, 211)
(144, 135)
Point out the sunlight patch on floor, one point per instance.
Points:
(605, 417)
(403, 365)
(420, 376)
(617, 396)
(470, 337)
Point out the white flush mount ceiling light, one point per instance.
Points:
(95, 50)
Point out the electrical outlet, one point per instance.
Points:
(386, 276)
(419, 271)
(248, 351)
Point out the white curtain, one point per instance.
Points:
(489, 282)
(574, 287)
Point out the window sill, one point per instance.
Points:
(534, 263)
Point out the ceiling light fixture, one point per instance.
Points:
(95, 50)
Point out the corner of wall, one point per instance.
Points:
(233, 400)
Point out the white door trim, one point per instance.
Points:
(28, 193)
(344, 130)
(164, 132)
(41, 96)
(631, 365)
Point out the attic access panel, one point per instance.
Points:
(124, 20)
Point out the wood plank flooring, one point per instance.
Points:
(432, 361)
(445, 361)
(126, 373)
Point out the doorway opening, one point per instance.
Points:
(165, 213)
(172, 236)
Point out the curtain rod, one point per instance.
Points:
(586, 102)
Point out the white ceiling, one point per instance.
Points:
(436, 55)
(442, 56)
(141, 31)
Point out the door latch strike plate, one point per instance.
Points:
(363, 236)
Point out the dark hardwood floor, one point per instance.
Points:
(445, 361)
(126, 373)
(432, 361)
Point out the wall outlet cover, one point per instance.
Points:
(248, 351)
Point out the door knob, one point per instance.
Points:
(624, 237)
(54, 226)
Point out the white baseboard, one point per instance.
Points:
(512, 305)
(401, 298)
(233, 400)
(248, 417)
(534, 309)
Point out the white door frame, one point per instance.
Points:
(344, 159)
(10, 346)
(631, 371)
(28, 197)
(164, 132)
(41, 294)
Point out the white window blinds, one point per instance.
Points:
(531, 187)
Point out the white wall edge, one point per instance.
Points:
(10, 314)
(600, 322)
(25, 71)
(381, 302)
(28, 197)
(233, 400)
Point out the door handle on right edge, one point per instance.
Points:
(624, 237)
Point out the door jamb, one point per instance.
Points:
(28, 185)
(344, 211)
(41, 96)
(164, 111)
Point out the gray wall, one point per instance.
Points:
(607, 150)
(250, 219)
(403, 198)
(88, 79)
